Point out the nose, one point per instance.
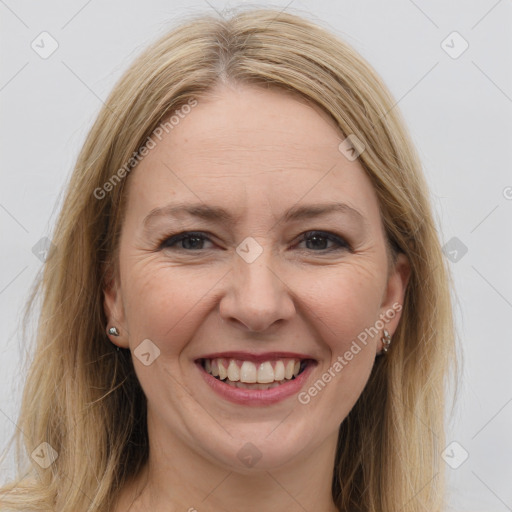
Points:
(257, 295)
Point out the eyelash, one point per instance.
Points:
(170, 241)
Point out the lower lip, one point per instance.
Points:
(257, 397)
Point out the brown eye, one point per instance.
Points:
(191, 241)
(317, 241)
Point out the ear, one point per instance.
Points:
(393, 298)
(114, 309)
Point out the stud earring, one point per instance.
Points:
(386, 341)
(113, 331)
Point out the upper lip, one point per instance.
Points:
(255, 357)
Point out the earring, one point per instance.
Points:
(113, 331)
(386, 341)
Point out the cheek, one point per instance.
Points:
(346, 308)
(164, 303)
(345, 301)
(161, 302)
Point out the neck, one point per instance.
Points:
(179, 477)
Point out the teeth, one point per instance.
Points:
(222, 370)
(279, 371)
(288, 373)
(214, 367)
(265, 373)
(260, 376)
(248, 372)
(233, 371)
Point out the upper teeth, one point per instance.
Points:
(246, 371)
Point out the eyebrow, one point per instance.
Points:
(220, 215)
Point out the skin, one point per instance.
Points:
(257, 153)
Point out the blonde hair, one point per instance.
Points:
(83, 398)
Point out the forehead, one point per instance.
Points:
(252, 147)
(252, 116)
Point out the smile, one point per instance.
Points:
(248, 375)
(255, 383)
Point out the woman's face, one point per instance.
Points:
(252, 172)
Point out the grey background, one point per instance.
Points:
(459, 114)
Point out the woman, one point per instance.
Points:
(247, 307)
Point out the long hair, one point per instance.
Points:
(82, 397)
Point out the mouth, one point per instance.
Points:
(261, 375)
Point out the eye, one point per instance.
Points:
(190, 241)
(320, 238)
(315, 241)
